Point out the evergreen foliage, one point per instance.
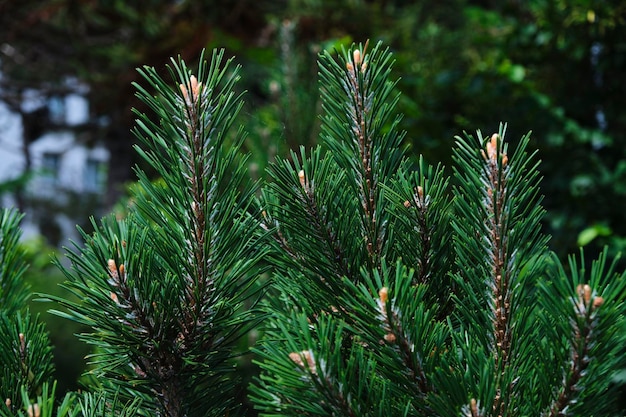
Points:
(396, 290)
(13, 292)
(25, 352)
(397, 295)
(26, 360)
(169, 291)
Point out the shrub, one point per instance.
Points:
(394, 288)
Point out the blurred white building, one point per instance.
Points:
(67, 167)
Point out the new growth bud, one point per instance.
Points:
(297, 357)
(112, 267)
(383, 294)
(584, 293)
(474, 407)
(34, 410)
(597, 302)
(117, 274)
(191, 99)
(358, 60)
(356, 57)
(587, 299)
(492, 148)
(419, 197)
(22, 344)
(492, 151)
(303, 182)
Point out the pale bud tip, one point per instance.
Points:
(301, 178)
(587, 293)
(474, 407)
(195, 86)
(356, 56)
(307, 355)
(383, 293)
(492, 147)
(597, 302)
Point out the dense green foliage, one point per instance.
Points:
(397, 288)
(26, 377)
(474, 319)
(25, 351)
(462, 64)
(169, 291)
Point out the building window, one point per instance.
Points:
(51, 164)
(56, 109)
(95, 175)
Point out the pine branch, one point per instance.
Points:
(169, 291)
(390, 297)
(412, 337)
(581, 340)
(25, 351)
(590, 334)
(329, 214)
(499, 246)
(320, 380)
(359, 131)
(496, 187)
(396, 336)
(316, 205)
(25, 359)
(309, 230)
(14, 292)
(421, 210)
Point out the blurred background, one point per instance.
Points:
(555, 67)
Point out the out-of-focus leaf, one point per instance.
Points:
(590, 233)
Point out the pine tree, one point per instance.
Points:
(25, 351)
(169, 291)
(396, 288)
(26, 368)
(400, 291)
